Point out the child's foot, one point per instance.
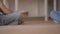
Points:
(56, 21)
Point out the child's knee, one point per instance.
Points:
(53, 13)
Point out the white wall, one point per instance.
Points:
(50, 6)
(31, 8)
(11, 4)
(36, 9)
(58, 5)
(41, 8)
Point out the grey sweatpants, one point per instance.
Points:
(10, 18)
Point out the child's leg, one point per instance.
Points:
(55, 15)
(13, 17)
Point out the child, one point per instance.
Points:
(8, 16)
(55, 15)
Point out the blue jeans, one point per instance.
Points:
(55, 15)
(10, 18)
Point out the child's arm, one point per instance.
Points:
(4, 9)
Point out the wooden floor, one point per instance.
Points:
(32, 27)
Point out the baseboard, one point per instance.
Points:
(34, 18)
